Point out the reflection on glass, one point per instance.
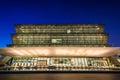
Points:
(61, 64)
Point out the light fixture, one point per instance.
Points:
(68, 31)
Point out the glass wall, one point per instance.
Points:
(61, 64)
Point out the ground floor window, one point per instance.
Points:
(60, 63)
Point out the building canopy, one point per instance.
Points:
(61, 51)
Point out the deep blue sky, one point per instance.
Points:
(59, 12)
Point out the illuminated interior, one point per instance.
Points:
(60, 63)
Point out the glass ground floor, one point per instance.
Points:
(61, 64)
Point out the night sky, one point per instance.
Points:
(59, 12)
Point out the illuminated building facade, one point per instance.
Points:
(72, 47)
(81, 35)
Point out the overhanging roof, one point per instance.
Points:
(61, 51)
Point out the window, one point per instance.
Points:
(56, 40)
(1, 56)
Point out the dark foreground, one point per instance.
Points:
(61, 76)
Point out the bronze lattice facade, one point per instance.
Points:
(81, 35)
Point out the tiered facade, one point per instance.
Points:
(81, 35)
(72, 35)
